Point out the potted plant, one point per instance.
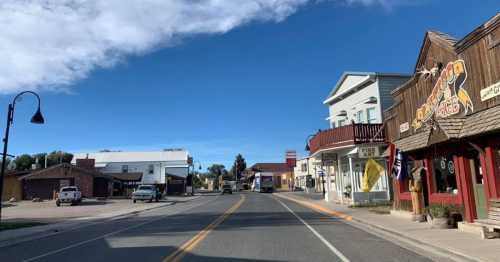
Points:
(347, 191)
(438, 216)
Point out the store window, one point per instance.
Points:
(371, 117)
(341, 122)
(444, 175)
(360, 117)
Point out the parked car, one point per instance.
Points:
(69, 194)
(227, 188)
(146, 193)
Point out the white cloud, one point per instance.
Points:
(48, 44)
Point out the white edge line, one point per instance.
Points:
(318, 235)
(106, 235)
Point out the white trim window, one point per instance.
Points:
(341, 122)
(370, 115)
(360, 117)
(151, 169)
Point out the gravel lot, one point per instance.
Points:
(48, 212)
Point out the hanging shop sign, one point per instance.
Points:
(328, 159)
(404, 127)
(448, 95)
(490, 92)
(368, 152)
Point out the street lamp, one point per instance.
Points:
(36, 119)
(192, 175)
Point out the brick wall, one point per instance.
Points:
(86, 184)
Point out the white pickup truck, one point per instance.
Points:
(69, 194)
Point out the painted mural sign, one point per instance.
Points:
(448, 95)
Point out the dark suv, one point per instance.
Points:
(227, 189)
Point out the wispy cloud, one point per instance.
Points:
(49, 44)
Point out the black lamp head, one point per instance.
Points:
(307, 147)
(38, 117)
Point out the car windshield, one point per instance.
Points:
(68, 189)
(145, 188)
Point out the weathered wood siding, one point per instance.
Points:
(480, 51)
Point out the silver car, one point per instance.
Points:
(146, 193)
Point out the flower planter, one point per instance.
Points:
(438, 222)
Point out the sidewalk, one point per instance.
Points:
(9, 237)
(461, 244)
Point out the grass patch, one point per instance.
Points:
(17, 225)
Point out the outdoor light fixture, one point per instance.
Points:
(371, 100)
(342, 113)
(36, 119)
(308, 148)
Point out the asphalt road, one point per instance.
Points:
(237, 227)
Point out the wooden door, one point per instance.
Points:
(478, 185)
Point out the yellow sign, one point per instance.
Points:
(373, 171)
(447, 95)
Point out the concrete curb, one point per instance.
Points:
(361, 223)
(16, 236)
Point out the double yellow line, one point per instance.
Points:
(193, 242)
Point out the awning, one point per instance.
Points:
(411, 143)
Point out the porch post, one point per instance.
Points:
(491, 172)
(353, 188)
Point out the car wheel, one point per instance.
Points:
(135, 201)
(58, 203)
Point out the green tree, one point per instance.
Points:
(41, 159)
(215, 171)
(239, 166)
(24, 162)
(58, 157)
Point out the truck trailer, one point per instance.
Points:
(263, 182)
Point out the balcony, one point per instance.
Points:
(347, 135)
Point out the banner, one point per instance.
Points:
(373, 171)
(398, 170)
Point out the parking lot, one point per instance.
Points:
(48, 212)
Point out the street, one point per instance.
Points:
(239, 227)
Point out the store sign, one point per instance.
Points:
(328, 159)
(404, 127)
(368, 152)
(448, 95)
(490, 92)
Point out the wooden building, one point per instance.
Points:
(446, 118)
(44, 183)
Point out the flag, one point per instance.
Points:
(373, 171)
(399, 165)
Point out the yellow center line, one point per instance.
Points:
(193, 242)
(317, 207)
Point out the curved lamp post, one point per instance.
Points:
(36, 119)
(192, 175)
(308, 148)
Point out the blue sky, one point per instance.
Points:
(255, 88)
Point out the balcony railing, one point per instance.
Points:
(347, 135)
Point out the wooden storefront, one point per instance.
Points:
(447, 119)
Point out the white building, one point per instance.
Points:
(356, 134)
(154, 166)
(307, 167)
